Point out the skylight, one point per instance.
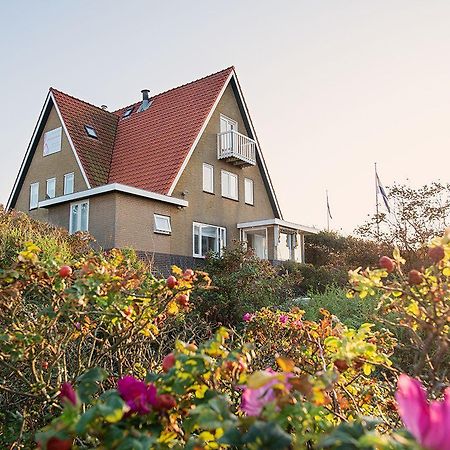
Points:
(127, 112)
(90, 131)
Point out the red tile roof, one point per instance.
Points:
(95, 154)
(147, 149)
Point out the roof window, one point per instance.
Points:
(127, 112)
(90, 131)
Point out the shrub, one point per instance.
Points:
(241, 282)
(57, 244)
(104, 310)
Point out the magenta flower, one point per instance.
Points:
(139, 396)
(68, 394)
(247, 317)
(284, 318)
(254, 400)
(428, 422)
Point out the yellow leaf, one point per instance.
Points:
(367, 368)
(259, 379)
(285, 364)
(172, 308)
(115, 416)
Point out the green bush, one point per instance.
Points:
(242, 283)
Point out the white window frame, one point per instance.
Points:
(66, 177)
(47, 185)
(225, 173)
(232, 122)
(34, 204)
(209, 189)
(71, 225)
(221, 236)
(161, 230)
(249, 191)
(52, 141)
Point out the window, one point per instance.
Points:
(162, 224)
(34, 195)
(248, 187)
(127, 112)
(208, 238)
(52, 141)
(90, 131)
(227, 124)
(229, 185)
(79, 216)
(69, 179)
(208, 178)
(50, 192)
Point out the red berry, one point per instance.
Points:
(165, 402)
(341, 365)
(45, 365)
(171, 282)
(387, 263)
(415, 277)
(55, 443)
(183, 299)
(188, 273)
(65, 271)
(436, 254)
(168, 362)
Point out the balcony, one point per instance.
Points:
(236, 148)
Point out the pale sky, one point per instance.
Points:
(332, 86)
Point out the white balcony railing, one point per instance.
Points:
(236, 147)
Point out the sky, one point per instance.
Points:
(332, 86)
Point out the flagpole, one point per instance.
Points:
(328, 211)
(376, 202)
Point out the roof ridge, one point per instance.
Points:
(52, 89)
(177, 87)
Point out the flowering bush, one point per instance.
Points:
(58, 320)
(207, 398)
(417, 302)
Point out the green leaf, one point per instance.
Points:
(88, 383)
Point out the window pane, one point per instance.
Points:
(51, 188)
(74, 226)
(209, 240)
(162, 224)
(208, 178)
(84, 217)
(52, 141)
(34, 195)
(196, 240)
(229, 185)
(249, 191)
(68, 183)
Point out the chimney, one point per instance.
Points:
(145, 100)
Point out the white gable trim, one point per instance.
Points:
(32, 141)
(27, 153)
(70, 141)
(263, 164)
(110, 188)
(282, 223)
(205, 123)
(258, 149)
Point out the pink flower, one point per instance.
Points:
(254, 400)
(247, 317)
(68, 394)
(283, 318)
(139, 396)
(428, 422)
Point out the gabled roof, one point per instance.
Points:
(95, 154)
(152, 145)
(149, 149)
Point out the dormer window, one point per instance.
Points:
(90, 131)
(127, 112)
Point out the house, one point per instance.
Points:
(175, 175)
